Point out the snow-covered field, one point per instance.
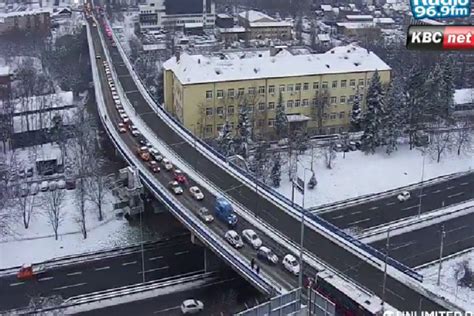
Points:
(359, 174)
(463, 296)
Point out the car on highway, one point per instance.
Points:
(191, 306)
(267, 255)
(153, 165)
(156, 154)
(134, 130)
(250, 237)
(234, 239)
(196, 193)
(97, 57)
(205, 215)
(291, 264)
(175, 187)
(167, 164)
(121, 128)
(179, 176)
(404, 196)
(143, 153)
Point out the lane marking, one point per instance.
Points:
(437, 191)
(404, 245)
(155, 258)
(151, 270)
(450, 188)
(457, 228)
(454, 195)
(373, 208)
(74, 273)
(45, 278)
(465, 183)
(166, 310)
(15, 284)
(129, 263)
(338, 216)
(410, 207)
(69, 286)
(102, 268)
(402, 298)
(181, 252)
(391, 203)
(359, 221)
(422, 195)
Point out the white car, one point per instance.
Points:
(44, 186)
(250, 236)
(266, 254)
(205, 215)
(134, 130)
(34, 188)
(234, 239)
(291, 264)
(175, 187)
(124, 117)
(167, 164)
(404, 196)
(191, 306)
(61, 184)
(196, 193)
(52, 185)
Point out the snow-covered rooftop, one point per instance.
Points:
(4, 71)
(255, 16)
(324, 37)
(27, 11)
(384, 20)
(326, 7)
(43, 102)
(464, 96)
(361, 17)
(271, 24)
(235, 29)
(356, 25)
(223, 16)
(192, 69)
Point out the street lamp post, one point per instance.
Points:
(443, 234)
(300, 276)
(387, 246)
(422, 179)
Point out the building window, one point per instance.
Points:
(316, 85)
(334, 84)
(290, 88)
(271, 105)
(230, 93)
(230, 110)
(332, 116)
(261, 106)
(209, 111)
(208, 129)
(289, 104)
(271, 123)
(305, 102)
(282, 88)
(297, 103)
(343, 99)
(220, 111)
(325, 100)
(341, 115)
(333, 100)
(220, 94)
(343, 83)
(325, 85)
(209, 94)
(252, 90)
(325, 116)
(260, 123)
(298, 87)
(271, 89)
(305, 86)
(261, 89)
(315, 101)
(241, 92)
(361, 82)
(352, 83)
(351, 99)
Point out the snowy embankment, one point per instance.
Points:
(454, 273)
(359, 174)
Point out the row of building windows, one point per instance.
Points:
(230, 112)
(282, 88)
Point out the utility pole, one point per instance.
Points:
(387, 246)
(300, 275)
(443, 234)
(422, 179)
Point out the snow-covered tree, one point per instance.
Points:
(225, 140)
(373, 118)
(463, 136)
(242, 138)
(415, 96)
(276, 171)
(440, 141)
(54, 202)
(446, 89)
(356, 113)
(393, 116)
(281, 121)
(329, 154)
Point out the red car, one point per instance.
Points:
(179, 176)
(153, 165)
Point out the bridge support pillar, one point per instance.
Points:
(211, 261)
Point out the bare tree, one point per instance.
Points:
(463, 136)
(440, 141)
(320, 105)
(97, 188)
(25, 204)
(54, 201)
(329, 155)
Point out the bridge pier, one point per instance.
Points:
(211, 261)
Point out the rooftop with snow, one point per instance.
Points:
(464, 96)
(193, 69)
(260, 19)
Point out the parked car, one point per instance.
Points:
(179, 176)
(44, 186)
(266, 254)
(70, 184)
(250, 236)
(21, 173)
(61, 184)
(191, 306)
(234, 239)
(121, 128)
(291, 264)
(175, 187)
(24, 190)
(52, 185)
(196, 193)
(352, 146)
(34, 188)
(29, 172)
(205, 215)
(167, 164)
(404, 196)
(153, 165)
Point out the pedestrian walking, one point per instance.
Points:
(252, 263)
(258, 269)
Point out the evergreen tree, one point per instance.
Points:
(276, 171)
(415, 95)
(242, 138)
(374, 116)
(446, 89)
(281, 121)
(356, 114)
(225, 140)
(393, 116)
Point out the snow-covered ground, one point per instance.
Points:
(359, 174)
(124, 27)
(463, 296)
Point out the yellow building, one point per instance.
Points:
(317, 90)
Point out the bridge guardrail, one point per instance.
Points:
(250, 178)
(178, 210)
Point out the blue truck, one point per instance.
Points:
(225, 212)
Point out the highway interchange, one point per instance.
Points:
(398, 294)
